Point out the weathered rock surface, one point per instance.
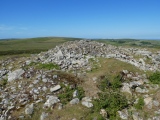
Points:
(29, 109)
(74, 101)
(86, 101)
(15, 75)
(43, 116)
(51, 101)
(123, 114)
(55, 88)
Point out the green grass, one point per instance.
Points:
(67, 95)
(132, 42)
(48, 66)
(111, 68)
(140, 104)
(30, 45)
(155, 78)
(3, 82)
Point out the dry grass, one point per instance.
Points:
(109, 68)
(112, 67)
(69, 112)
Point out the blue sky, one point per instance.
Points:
(80, 18)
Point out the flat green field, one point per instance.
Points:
(31, 45)
(132, 42)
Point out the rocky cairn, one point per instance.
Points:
(75, 54)
(23, 86)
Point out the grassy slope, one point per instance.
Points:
(36, 45)
(31, 45)
(132, 42)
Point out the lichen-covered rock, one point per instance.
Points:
(103, 113)
(126, 88)
(43, 116)
(123, 114)
(15, 74)
(74, 101)
(51, 101)
(75, 93)
(29, 109)
(55, 88)
(87, 104)
(147, 100)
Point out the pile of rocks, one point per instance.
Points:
(137, 86)
(27, 87)
(42, 87)
(76, 54)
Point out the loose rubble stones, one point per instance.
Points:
(15, 75)
(29, 109)
(29, 87)
(76, 54)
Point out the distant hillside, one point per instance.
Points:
(132, 42)
(30, 45)
(36, 45)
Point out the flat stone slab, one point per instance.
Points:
(57, 87)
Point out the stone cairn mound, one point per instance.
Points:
(75, 54)
(26, 88)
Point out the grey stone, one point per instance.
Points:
(60, 106)
(44, 88)
(123, 114)
(147, 100)
(55, 76)
(87, 99)
(28, 62)
(126, 88)
(136, 116)
(125, 71)
(94, 78)
(51, 101)
(21, 117)
(3, 72)
(139, 90)
(74, 101)
(137, 83)
(87, 104)
(55, 88)
(29, 109)
(75, 93)
(44, 80)
(30, 86)
(150, 105)
(157, 112)
(103, 113)
(43, 116)
(35, 81)
(15, 75)
(156, 118)
(156, 103)
(2, 117)
(36, 91)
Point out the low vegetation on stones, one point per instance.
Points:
(67, 94)
(48, 66)
(110, 98)
(155, 78)
(139, 105)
